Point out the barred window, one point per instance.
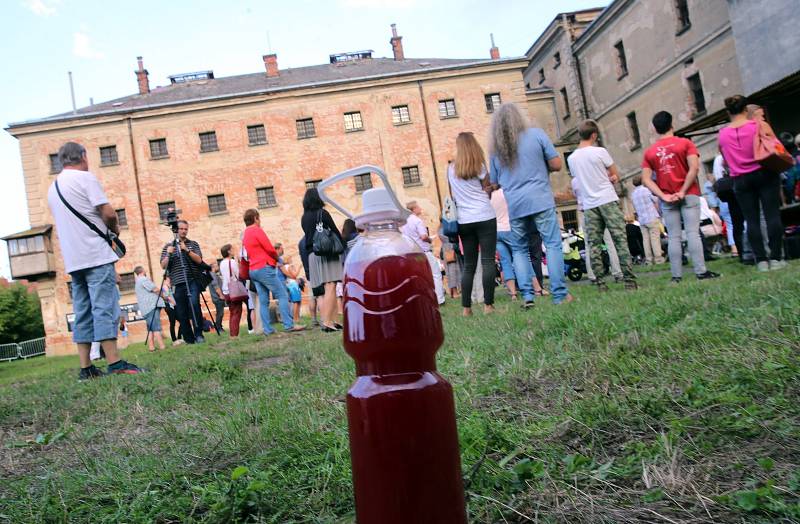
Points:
(400, 115)
(266, 197)
(565, 101)
(256, 135)
(55, 164)
(698, 98)
(163, 209)
(683, 15)
(208, 142)
(634, 137)
(556, 60)
(353, 122)
(216, 204)
(447, 108)
(158, 148)
(108, 156)
(363, 182)
(622, 61)
(569, 219)
(312, 183)
(541, 76)
(122, 218)
(411, 176)
(127, 282)
(305, 128)
(492, 102)
(69, 290)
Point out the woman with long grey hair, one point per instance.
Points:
(522, 158)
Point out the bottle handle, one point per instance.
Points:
(360, 170)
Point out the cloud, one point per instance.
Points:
(42, 7)
(378, 4)
(82, 47)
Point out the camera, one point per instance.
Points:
(171, 218)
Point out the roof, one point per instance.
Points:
(553, 25)
(259, 83)
(32, 232)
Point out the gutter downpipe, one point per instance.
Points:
(430, 147)
(139, 193)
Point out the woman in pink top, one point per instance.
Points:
(757, 189)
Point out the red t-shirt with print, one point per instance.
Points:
(668, 158)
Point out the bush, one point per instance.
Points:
(20, 314)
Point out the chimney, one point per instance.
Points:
(494, 52)
(141, 77)
(397, 44)
(271, 63)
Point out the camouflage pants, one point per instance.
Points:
(598, 219)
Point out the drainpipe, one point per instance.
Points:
(430, 147)
(139, 194)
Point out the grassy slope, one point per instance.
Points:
(672, 404)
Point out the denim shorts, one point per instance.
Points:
(95, 303)
(153, 320)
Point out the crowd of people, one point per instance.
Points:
(505, 209)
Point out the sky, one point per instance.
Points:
(99, 42)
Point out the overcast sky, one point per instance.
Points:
(99, 42)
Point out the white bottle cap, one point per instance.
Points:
(378, 206)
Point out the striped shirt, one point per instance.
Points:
(175, 268)
(644, 203)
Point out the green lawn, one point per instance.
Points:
(670, 404)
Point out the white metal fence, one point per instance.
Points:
(26, 349)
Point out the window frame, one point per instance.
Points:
(126, 280)
(122, 219)
(683, 18)
(168, 204)
(565, 102)
(304, 123)
(694, 94)
(634, 134)
(260, 139)
(211, 204)
(556, 59)
(564, 220)
(408, 176)
(55, 164)
(352, 115)
(542, 77)
(402, 118)
(269, 192)
(359, 182)
(488, 100)
(154, 141)
(30, 243)
(622, 60)
(448, 104)
(310, 184)
(204, 149)
(114, 155)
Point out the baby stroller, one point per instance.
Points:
(574, 248)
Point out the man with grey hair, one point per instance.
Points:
(88, 259)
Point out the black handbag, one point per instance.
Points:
(724, 188)
(113, 240)
(326, 243)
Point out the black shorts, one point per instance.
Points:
(318, 291)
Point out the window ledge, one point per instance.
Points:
(401, 123)
(623, 75)
(448, 117)
(413, 184)
(123, 227)
(161, 157)
(268, 207)
(683, 29)
(110, 164)
(354, 130)
(219, 213)
(209, 150)
(254, 144)
(306, 137)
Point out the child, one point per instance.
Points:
(295, 296)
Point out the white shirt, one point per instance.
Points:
(472, 202)
(80, 246)
(589, 166)
(414, 229)
(228, 268)
(719, 167)
(500, 210)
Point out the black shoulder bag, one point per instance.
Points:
(326, 243)
(113, 240)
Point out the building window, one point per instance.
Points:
(569, 219)
(108, 156)
(55, 164)
(24, 246)
(556, 60)
(447, 108)
(305, 128)
(541, 76)
(400, 115)
(256, 135)
(158, 148)
(411, 176)
(353, 122)
(634, 139)
(216, 204)
(163, 209)
(682, 8)
(208, 142)
(310, 184)
(127, 282)
(492, 102)
(565, 101)
(363, 182)
(122, 218)
(69, 289)
(266, 197)
(696, 89)
(622, 62)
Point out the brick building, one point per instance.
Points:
(213, 147)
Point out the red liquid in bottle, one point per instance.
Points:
(401, 414)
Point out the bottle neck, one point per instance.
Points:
(388, 225)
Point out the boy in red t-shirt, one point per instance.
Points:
(669, 171)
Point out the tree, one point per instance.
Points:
(20, 314)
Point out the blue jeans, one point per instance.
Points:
(504, 247)
(546, 223)
(266, 281)
(95, 302)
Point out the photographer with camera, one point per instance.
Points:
(182, 259)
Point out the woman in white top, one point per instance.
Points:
(477, 225)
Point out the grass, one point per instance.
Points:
(671, 404)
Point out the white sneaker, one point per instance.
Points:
(775, 265)
(763, 266)
(251, 331)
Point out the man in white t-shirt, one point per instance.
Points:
(88, 259)
(595, 173)
(416, 230)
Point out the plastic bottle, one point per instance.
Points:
(400, 410)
